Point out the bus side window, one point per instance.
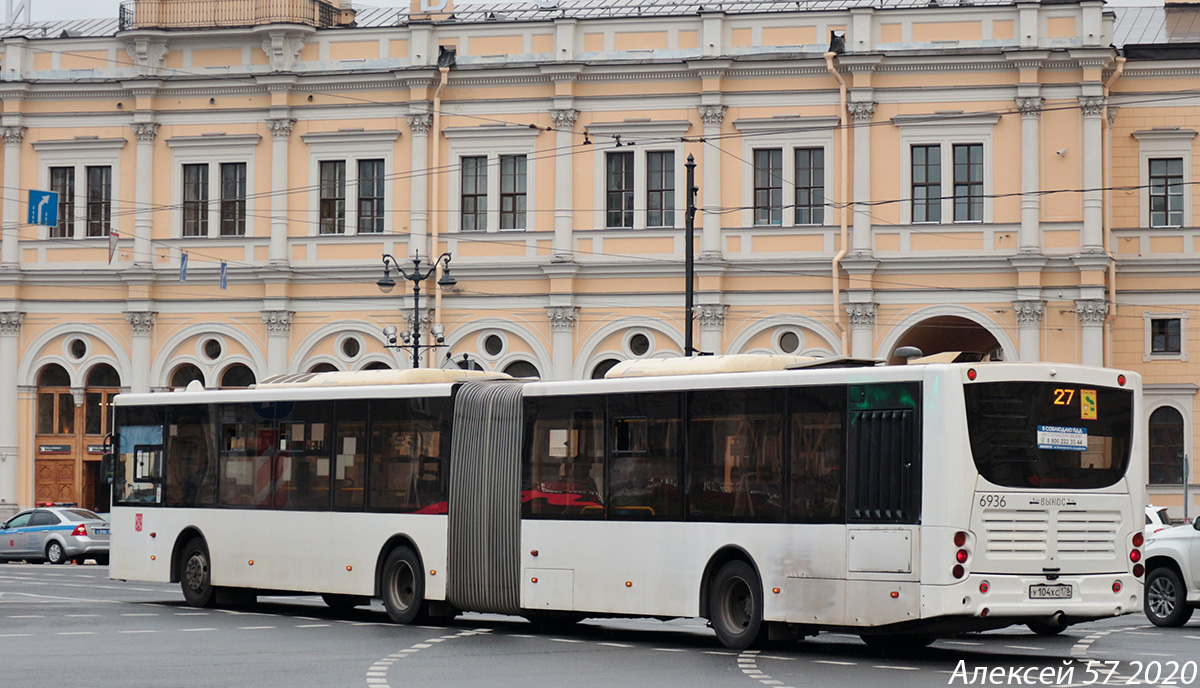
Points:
(818, 457)
(646, 458)
(563, 470)
(736, 455)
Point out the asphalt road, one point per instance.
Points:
(72, 626)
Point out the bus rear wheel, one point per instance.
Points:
(195, 574)
(736, 605)
(402, 586)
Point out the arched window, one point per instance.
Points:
(184, 375)
(377, 365)
(55, 403)
(323, 368)
(1166, 447)
(102, 385)
(468, 363)
(103, 375)
(603, 367)
(522, 369)
(237, 375)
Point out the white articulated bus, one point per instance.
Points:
(771, 495)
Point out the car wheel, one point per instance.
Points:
(102, 560)
(55, 553)
(736, 606)
(1166, 598)
(403, 586)
(195, 574)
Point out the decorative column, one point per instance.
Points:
(712, 116)
(1029, 239)
(10, 220)
(564, 180)
(141, 331)
(10, 341)
(562, 343)
(418, 222)
(862, 329)
(1029, 323)
(712, 326)
(281, 132)
(279, 328)
(1093, 198)
(143, 215)
(1092, 313)
(860, 240)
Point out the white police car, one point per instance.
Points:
(56, 534)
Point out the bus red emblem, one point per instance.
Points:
(137, 522)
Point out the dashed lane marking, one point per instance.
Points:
(195, 630)
(834, 662)
(76, 633)
(621, 645)
(376, 675)
(748, 663)
(255, 628)
(1024, 647)
(897, 668)
(313, 626)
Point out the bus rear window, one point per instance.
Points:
(1049, 435)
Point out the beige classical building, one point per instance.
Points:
(988, 175)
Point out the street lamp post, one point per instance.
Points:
(412, 338)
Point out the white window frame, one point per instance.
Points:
(1180, 396)
(211, 150)
(82, 153)
(787, 133)
(1171, 142)
(946, 131)
(350, 146)
(1147, 320)
(642, 136)
(492, 141)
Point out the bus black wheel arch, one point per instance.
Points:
(177, 551)
(732, 599)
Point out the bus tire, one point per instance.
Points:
(402, 586)
(736, 605)
(1166, 598)
(195, 574)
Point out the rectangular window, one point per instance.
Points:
(333, 197)
(248, 445)
(564, 468)
(474, 194)
(190, 471)
(1166, 192)
(1165, 336)
(810, 186)
(768, 186)
(735, 456)
(817, 457)
(62, 182)
(195, 200)
(233, 199)
(512, 192)
(99, 200)
(619, 186)
(927, 183)
(968, 182)
(305, 456)
(644, 458)
(409, 454)
(660, 189)
(350, 456)
(370, 197)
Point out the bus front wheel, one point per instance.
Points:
(736, 605)
(403, 586)
(195, 574)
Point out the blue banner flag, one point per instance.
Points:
(183, 267)
(224, 274)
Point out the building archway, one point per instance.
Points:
(71, 425)
(941, 333)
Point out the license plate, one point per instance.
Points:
(1050, 592)
(101, 531)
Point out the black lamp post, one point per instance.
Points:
(412, 338)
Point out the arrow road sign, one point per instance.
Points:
(43, 208)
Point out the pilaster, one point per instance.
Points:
(10, 341)
(712, 117)
(562, 339)
(564, 184)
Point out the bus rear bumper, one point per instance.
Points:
(1034, 598)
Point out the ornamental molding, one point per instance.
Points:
(141, 323)
(149, 55)
(862, 112)
(1030, 107)
(1029, 313)
(712, 316)
(862, 315)
(562, 318)
(420, 124)
(426, 319)
(278, 322)
(281, 128)
(283, 50)
(712, 115)
(144, 132)
(14, 135)
(77, 393)
(10, 323)
(1091, 106)
(564, 118)
(1111, 113)
(1091, 311)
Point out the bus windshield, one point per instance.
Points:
(1049, 435)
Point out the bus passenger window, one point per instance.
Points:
(645, 463)
(190, 473)
(818, 456)
(408, 454)
(138, 456)
(736, 455)
(350, 456)
(564, 464)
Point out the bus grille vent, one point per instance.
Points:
(1087, 533)
(1015, 534)
(883, 466)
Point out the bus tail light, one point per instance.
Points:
(79, 530)
(958, 571)
(1138, 539)
(960, 539)
(1138, 570)
(1121, 380)
(1135, 555)
(971, 374)
(961, 556)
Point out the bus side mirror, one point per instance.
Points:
(106, 468)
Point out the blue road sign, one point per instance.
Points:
(43, 208)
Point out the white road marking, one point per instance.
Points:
(614, 645)
(142, 614)
(137, 631)
(835, 663)
(14, 635)
(77, 633)
(26, 616)
(254, 628)
(898, 668)
(669, 649)
(193, 630)
(555, 640)
(81, 616)
(1023, 647)
(313, 626)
